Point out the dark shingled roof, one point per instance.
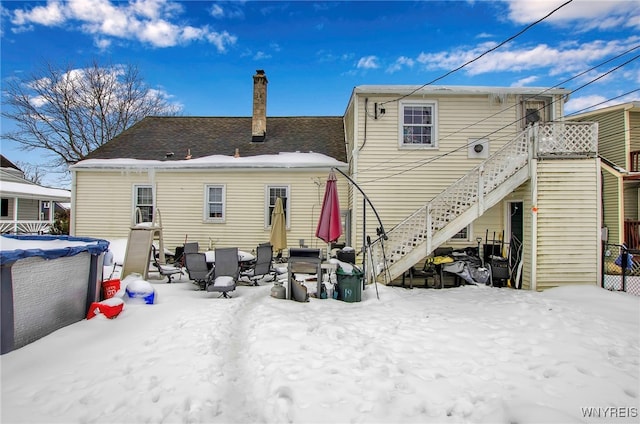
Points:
(154, 137)
(6, 163)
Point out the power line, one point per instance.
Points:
(516, 105)
(435, 158)
(481, 55)
(601, 103)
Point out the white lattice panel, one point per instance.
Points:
(568, 138)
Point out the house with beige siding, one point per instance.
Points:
(619, 148)
(422, 167)
(447, 166)
(213, 180)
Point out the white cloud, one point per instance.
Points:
(584, 14)
(565, 58)
(581, 104)
(147, 21)
(216, 11)
(261, 56)
(400, 63)
(368, 62)
(51, 14)
(102, 43)
(525, 81)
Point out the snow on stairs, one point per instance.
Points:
(452, 210)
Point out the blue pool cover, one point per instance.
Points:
(92, 245)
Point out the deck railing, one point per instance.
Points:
(552, 140)
(632, 234)
(25, 227)
(634, 161)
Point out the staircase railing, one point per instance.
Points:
(471, 190)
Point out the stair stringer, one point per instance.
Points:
(396, 267)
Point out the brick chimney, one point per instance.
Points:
(259, 120)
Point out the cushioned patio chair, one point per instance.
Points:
(197, 268)
(262, 267)
(224, 272)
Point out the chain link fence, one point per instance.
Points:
(621, 269)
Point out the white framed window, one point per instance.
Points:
(418, 126)
(463, 235)
(272, 193)
(214, 203)
(142, 202)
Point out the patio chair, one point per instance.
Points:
(197, 268)
(263, 265)
(163, 269)
(224, 272)
(181, 251)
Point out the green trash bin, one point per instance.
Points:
(349, 285)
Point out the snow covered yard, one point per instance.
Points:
(468, 354)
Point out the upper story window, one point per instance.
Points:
(214, 203)
(273, 192)
(143, 202)
(418, 124)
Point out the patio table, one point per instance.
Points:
(243, 257)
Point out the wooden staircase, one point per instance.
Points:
(465, 200)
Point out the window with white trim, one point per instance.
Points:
(462, 235)
(143, 202)
(418, 124)
(214, 203)
(273, 192)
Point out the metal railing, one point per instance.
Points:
(621, 269)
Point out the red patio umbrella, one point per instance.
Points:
(330, 225)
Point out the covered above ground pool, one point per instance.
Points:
(47, 282)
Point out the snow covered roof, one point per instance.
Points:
(33, 191)
(455, 90)
(276, 161)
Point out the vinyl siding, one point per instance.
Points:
(28, 210)
(611, 136)
(103, 206)
(567, 240)
(630, 198)
(634, 130)
(398, 180)
(611, 206)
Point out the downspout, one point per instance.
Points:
(354, 175)
(72, 211)
(600, 221)
(533, 164)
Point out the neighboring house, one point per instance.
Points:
(420, 154)
(213, 180)
(27, 207)
(457, 165)
(619, 148)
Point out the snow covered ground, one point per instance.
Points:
(471, 354)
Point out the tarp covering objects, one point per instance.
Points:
(15, 247)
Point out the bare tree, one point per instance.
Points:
(32, 172)
(70, 112)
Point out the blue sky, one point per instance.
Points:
(203, 54)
